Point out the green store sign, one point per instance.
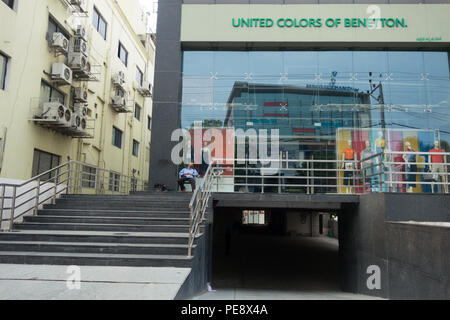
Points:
(370, 23)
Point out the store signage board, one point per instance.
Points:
(315, 23)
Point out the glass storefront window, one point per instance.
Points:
(310, 95)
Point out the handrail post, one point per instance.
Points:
(56, 180)
(307, 177)
(380, 175)
(190, 231)
(97, 182)
(355, 170)
(313, 175)
(38, 191)
(13, 209)
(364, 173)
(69, 178)
(446, 184)
(2, 199)
(80, 172)
(262, 180)
(280, 165)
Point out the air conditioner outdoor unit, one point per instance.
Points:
(146, 89)
(57, 114)
(78, 61)
(81, 32)
(61, 72)
(80, 45)
(78, 123)
(77, 3)
(80, 108)
(80, 94)
(119, 101)
(119, 79)
(60, 42)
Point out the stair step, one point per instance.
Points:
(157, 206)
(99, 227)
(142, 229)
(93, 247)
(142, 195)
(138, 201)
(95, 237)
(112, 213)
(95, 259)
(109, 220)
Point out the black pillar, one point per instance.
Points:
(167, 93)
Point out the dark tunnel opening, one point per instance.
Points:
(277, 251)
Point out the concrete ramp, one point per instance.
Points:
(45, 282)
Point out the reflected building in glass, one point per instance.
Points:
(306, 117)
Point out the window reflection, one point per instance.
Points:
(309, 95)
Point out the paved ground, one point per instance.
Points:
(37, 282)
(273, 267)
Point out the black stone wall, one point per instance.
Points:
(414, 259)
(201, 272)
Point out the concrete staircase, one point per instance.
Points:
(143, 229)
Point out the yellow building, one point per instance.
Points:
(64, 62)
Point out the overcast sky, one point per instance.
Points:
(151, 6)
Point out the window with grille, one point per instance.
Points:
(114, 182)
(89, 177)
(253, 217)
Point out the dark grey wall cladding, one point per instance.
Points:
(414, 259)
(201, 272)
(419, 262)
(418, 207)
(167, 93)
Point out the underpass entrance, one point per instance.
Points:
(276, 252)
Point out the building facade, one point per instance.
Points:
(76, 85)
(390, 58)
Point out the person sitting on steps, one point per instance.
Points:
(187, 175)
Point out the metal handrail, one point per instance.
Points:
(68, 177)
(199, 204)
(389, 171)
(309, 174)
